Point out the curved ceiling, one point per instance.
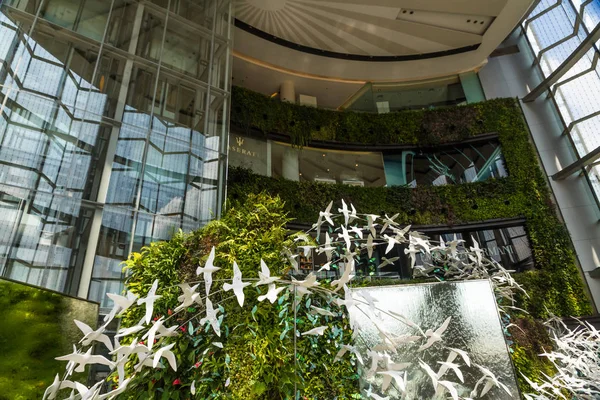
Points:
(377, 30)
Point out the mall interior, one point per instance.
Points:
(124, 121)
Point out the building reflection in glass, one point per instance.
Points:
(475, 161)
(112, 133)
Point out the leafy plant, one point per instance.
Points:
(256, 354)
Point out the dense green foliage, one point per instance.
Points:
(555, 285)
(257, 351)
(36, 326)
(530, 338)
(303, 124)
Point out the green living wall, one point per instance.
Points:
(36, 326)
(556, 284)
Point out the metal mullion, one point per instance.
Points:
(180, 20)
(149, 132)
(578, 75)
(578, 23)
(541, 13)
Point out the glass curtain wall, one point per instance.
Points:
(554, 30)
(113, 132)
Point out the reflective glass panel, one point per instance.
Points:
(474, 327)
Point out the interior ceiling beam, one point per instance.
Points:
(584, 161)
(563, 68)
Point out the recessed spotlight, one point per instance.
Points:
(356, 165)
(323, 155)
(327, 169)
(475, 21)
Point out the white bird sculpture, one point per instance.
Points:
(211, 317)
(399, 379)
(391, 241)
(321, 311)
(166, 353)
(371, 218)
(357, 231)
(431, 373)
(120, 389)
(91, 335)
(158, 330)
(208, 270)
(453, 367)
(346, 276)
(57, 385)
(387, 261)
(272, 293)
(449, 386)
(461, 353)
(149, 300)
(412, 252)
(325, 267)
(435, 336)
(345, 212)
(369, 245)
(237, 285)
(327, 248)
(327, 215)
(121, 303)
(347, 239)
(129, 331)
(477, 250)
(387, 221)
(264, 275)
(189, 296)
(83, 359)
(419, 242)
(315, 331)
(309, 282)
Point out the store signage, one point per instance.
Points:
(240, 149)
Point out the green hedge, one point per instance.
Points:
(555, 285)
(36, 326)
(302, 124)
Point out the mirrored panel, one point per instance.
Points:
(474, 327)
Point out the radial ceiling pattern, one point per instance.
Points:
(371, 28)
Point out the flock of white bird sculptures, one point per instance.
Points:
(577, 361)
(356, 233)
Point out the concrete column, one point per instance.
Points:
(287, 92)
(290, 168)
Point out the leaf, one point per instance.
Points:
(254, 309)
(190, 328)
(259, 388)
(283, 334)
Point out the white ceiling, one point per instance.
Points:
(373, 27)
(363, 28)
(259, 78)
